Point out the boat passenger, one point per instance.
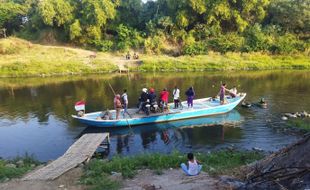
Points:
(233, 92)
(152, 95)
(124, 100)
(164, 95)
(106, 115)
(193, 166)
(176, 97)
(221, 93)
(143, 99)
(117, 105)
(190, 93)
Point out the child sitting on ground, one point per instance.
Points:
(193, 167)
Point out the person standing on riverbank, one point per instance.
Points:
(193, 166)
(190, 93)
(176, 96)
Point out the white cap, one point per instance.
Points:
(144, 89)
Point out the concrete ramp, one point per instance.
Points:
(81, 150)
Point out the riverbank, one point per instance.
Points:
(21, 58)
(119, 171)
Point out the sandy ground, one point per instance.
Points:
(173, 179)
(68, 181)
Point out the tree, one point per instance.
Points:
(11, 15)
(291, 15)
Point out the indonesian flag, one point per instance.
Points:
(80, 105)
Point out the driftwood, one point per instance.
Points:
(288, 168)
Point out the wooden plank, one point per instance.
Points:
(80, 151)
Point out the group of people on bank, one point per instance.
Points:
(149, 102)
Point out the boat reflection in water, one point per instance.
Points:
(197, 134)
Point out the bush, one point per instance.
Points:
(255, 39)
(196, 48)
(153, 44)
(287, 44)
(128, 37)
(103, 45)
(225, 43)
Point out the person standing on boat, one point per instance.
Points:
(176, 96)
(223, 89)
(164, 97)
(117, 105)
(124, 99)
(190, 93)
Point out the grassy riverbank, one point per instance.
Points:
(97, 171)
(16, 168)
(22, 58)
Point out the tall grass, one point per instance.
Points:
(214, 163)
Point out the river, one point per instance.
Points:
(35, 113)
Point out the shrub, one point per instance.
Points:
(287, 44)
(225, 43)
(196, 48)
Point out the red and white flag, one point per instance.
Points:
(80, 105)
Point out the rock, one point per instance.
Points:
(257, 149)
(291, 115)
(61, 186)
(10, 165)
(116, 176)
(231, 183)
(20, 163)
(284, 118)
(149, 187)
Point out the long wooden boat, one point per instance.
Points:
(202, 107)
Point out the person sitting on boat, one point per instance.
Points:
(190, 93)
(233, 92)
(106, 115)
(176, 96)
(221, 93)
(193, 166)
(152, 95)
(143, 100)
(117, 105)
(164, 97)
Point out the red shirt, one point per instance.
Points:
(164, 96)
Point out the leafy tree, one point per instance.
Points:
(11, 15)
(291, 15)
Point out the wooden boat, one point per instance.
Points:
(202, 107)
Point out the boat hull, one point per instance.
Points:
(91, 120)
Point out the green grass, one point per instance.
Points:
(229, 61)
(214, 163)
(17, 167)
(300, 124)
(22, 58)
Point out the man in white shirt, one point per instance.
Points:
(176, 97)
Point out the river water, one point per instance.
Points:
(35, 113)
